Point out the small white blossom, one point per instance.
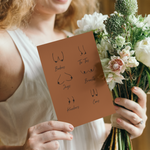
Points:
(103, 48)
(142, 51)
(112, 79)
(120, 41)
(125, 53)
(91, 22)
(132, 62)
(105, 62)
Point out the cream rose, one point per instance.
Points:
(142, 51)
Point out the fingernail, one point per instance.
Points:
(117, 100)
(118, 120)
(134, 88)
(71, 137)
(116, 108)
(71, 127)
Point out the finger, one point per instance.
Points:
(128, 115)
(54, 135)
(53, 145)
(141, 95)
(134, 131)
(130, 105)
(51, 125)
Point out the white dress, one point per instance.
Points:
(31, 104)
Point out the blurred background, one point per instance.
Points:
(107, 7)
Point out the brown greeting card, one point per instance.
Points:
(75, 79)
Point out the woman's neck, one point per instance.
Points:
(42, 22)
(40, 29)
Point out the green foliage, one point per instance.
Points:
(138, 34)
(148, 76)
(98, 36)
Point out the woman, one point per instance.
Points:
(25, 103)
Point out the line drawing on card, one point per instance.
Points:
(69, 101)
(59, 68)
(72, 104)
(58, 57)
(81, 61)
(94, 92)
(66, 87)
(90, 80)
(82, 51)
(64, 80)
(86, 60)
(61, 81)
(88, 71)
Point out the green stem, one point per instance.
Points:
(126, 89)
(116, 139)
(116, 92)
(123, 139)
(138, 82)
(129, 142)
(112, 139)
(119, 139)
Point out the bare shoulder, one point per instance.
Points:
(10, 66)
(4, 40)
(5, 45)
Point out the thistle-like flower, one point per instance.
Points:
(126, 7)
(115, 25)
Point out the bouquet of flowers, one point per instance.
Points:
(123, 43)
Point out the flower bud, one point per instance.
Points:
(126, 7)
(114, 25)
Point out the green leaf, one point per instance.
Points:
(148, 76)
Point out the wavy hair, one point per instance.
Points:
(17, 13)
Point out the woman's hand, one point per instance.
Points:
(136, 113)
(44, 136)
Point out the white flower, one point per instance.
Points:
(147, 21)
(91, 22)
(112, 79)
(126, 53)
(105, 62)
(132, 62)
(120, 41)
(103, 48)
(116, 65)
(142, 51)
(136, 21)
